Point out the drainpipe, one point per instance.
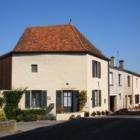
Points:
(108, 89)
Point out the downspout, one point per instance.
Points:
(108, 88)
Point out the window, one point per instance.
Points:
(34, 68)
(128, 81)
(35, 99)
(136, 82)
(111, 78)
(96, 69)
(96, 98)
(67, 99)
(136, 99)
(119, 80)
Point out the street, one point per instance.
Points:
(112, 128)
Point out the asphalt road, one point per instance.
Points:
(85, 129)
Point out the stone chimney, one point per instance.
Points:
(112, 61)
(121, 64)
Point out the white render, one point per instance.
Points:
(124, 89)
(55, 70)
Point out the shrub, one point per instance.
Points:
(86, 114)
(103, 112)
(12, 99)
(2, 115)
(38, 114)
(93, 114)
(107, 112)
(72, 117)
(82, 99)
(1, 102)
(98, 113)
(29, 117)
(50, 117)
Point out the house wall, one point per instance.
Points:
(116, 89)
(97, 84)
(5, 72)
(54, 71)
(136, 89)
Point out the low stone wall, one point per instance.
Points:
(66, 116)
(8, 126)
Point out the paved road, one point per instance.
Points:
(86, 129)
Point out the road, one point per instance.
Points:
(86, 129)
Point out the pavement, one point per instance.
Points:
(26, 126)
(110, 128)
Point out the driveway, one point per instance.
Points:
(110, 128)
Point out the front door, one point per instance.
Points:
(67, 98)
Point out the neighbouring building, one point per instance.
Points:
(124, 87)
(55, 63)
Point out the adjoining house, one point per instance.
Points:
(55, 63)
(124, 87)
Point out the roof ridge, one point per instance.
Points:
(75, 32)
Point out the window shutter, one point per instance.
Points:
(59, 99)
(44, 98)
(98, 69)
(75, 101)
(100, 98)
(93, 69)
(27, 99)
(93, 98)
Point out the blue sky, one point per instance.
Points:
(111, 25)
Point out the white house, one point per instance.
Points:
(124, 87)
(55, 63)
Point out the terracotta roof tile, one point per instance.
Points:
(58, 38)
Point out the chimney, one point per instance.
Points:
(112, 62)
(121, 64)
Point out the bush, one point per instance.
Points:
(29, 117)
(72, 117)
(1, 102)
(2, 115)
(93, 114)
(107, 112)
(50, 117)
(98, 113)
(82, 99)
(37, 114)
(12, 99)
(86, 114)
(103, 113)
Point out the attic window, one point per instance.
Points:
(34, 68)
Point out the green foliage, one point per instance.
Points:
(82, 99)
(12, 99)
(31, 115)
(86, 114)
(2, 115)
(1, 102)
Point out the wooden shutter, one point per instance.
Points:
(98, 69)
(44, 98)
(75, 101)
(100, 98)
(93, 68)
(59, 101)
(93, 98)
(27, 99)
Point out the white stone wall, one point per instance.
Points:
(116, 89)
(97, 84)
(55, 70)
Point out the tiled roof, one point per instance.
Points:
(58, 38)
(127, 71)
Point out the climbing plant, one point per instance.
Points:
(82, 99)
